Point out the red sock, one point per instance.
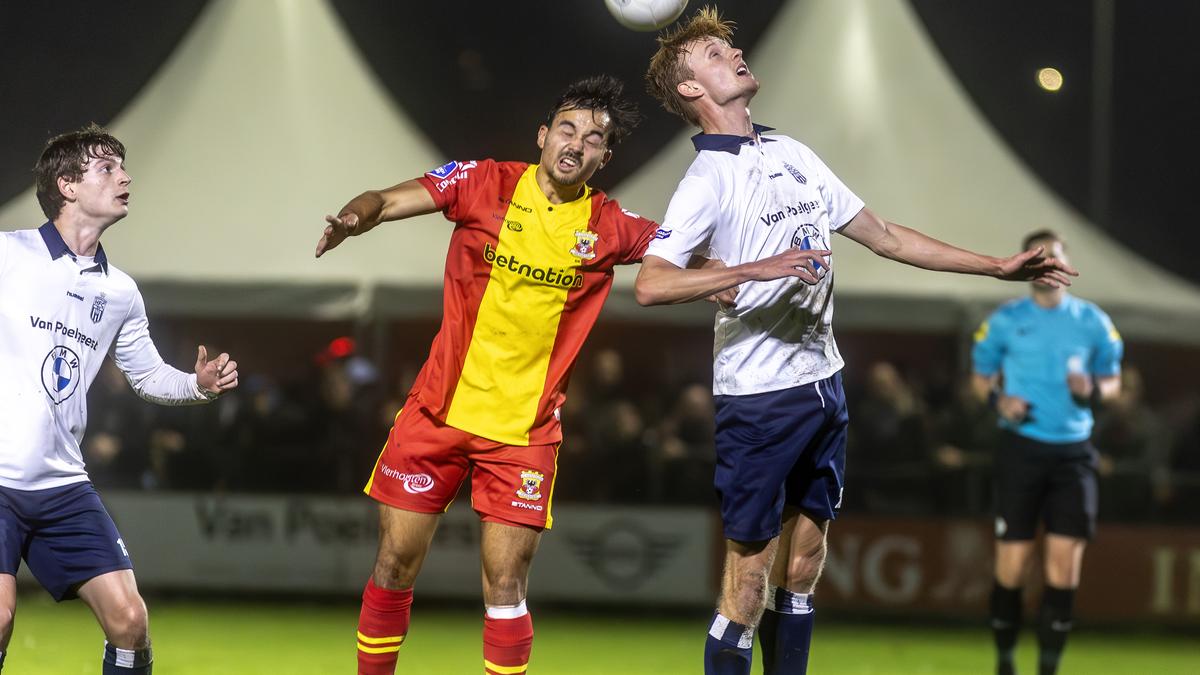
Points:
(382, 625)
(507, 642)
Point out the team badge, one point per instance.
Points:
(585, 245)
(98, 308)
(531, 485)
(61, 374)
(796, 174)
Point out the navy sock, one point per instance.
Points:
(729, 648)
(1006, 622)
(1054, 623)
(785, 632)
(127, 661)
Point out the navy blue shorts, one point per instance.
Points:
(1051, 482)
(776, 448)
(63, 533)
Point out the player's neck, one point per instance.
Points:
(1048, 298)
(556, 192)
(81, 234)
(731, 120)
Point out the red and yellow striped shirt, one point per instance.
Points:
(525, 281)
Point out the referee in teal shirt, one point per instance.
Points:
(1044, 362)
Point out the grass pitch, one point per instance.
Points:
(231, 638)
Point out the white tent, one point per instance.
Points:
(266, 118)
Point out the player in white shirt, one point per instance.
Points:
(63, 307)
(766, 205)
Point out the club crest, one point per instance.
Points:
(585, 244)
(796, 174)
(98, 308)
(531, 485)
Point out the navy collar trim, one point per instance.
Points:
(728, 142)
(58, 248)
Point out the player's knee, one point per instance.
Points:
(505, 589)
(128, 626)
(7, 616)
(395, 569)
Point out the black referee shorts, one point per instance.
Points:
(1055, 482)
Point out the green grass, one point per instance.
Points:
(229, 638)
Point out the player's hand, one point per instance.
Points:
(1032, 265)
(1080, 385)
(338, 228)
(1012, 408)
(217, 376)
(804, 264)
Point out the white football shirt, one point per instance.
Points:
(745, 199)
(59, 316)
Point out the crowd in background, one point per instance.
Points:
(638, 429)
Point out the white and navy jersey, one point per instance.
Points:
(745, 199)
(59, 315)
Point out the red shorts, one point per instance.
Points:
(425, 461)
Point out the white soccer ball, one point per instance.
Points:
(646, 15)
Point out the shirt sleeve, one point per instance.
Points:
(3, 251)
(990, 345)
(1109, 347)
(841, 202)
(688, 226)
(634, 232)
(151, 378)
(451, 185)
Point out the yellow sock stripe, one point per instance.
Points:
(377, 650)
(378, 640)
(505, 670)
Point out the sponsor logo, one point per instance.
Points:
(75, 295)
(516, 205)
(585, 244)
(662, 233)
(563, 277)
(64, 330)
(513, 225)
(444, 171)
(808, 237)
(625, 554)
(531, 485)
(776, 175)
(795, 174)
(448, 174)
(527, 506)
(800, 208)
(98, 308)
(414, 483)
(61, 373)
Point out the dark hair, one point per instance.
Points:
(1038, 235)
(65, 156)
(667, 67)
(600, 93)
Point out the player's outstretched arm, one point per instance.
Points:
(217, 376)
(661, 282)
(911, 247)
(373, 207)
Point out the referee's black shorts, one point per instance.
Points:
(1055, 482)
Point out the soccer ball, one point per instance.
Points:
(646, 15)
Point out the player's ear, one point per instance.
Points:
(542, 131)
(607, 156)
(689, 89)
(66, 188)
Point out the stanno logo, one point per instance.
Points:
(562, 277)
(60, 373)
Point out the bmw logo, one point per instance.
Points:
(61, 373)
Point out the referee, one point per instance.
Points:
(1044, 362)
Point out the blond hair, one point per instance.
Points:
(668, 67)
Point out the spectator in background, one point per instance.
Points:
(1133, 443)
(888, 442)
(964, 437)
(684, 457)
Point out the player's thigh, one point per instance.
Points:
(745, 577)
(404, 541)
(506, 552)
(1072, 498)
(74, 540)
(1063, 564)
(422, 465)
(513, 484)
(1012, 561)
(113, 597)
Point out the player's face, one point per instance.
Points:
(102, 193)
(574, 146)
(718, 68)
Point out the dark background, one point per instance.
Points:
(474, 78)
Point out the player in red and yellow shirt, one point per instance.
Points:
(529, 266)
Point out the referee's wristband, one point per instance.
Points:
(1093, 401)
